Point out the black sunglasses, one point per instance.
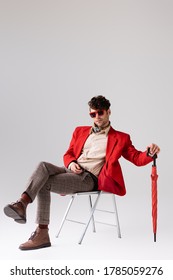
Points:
(99, 112)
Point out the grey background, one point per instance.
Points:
(56, 55)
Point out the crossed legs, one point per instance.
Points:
(45, 179)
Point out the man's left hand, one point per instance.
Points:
(154, 149)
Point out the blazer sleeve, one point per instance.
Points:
(69, 156)
(133, 155)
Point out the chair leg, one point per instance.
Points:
(65, 215)
(93, 222)
(90, 217)
(116, 216)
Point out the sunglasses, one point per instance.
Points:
(99, 112)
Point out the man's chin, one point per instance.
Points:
(99, 124)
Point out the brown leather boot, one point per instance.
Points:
(39, 239)
(17, 211)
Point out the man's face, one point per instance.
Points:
(100, 117)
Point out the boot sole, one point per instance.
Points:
(36, 247)
(10, 212)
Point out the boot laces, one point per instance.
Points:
(17, 202)
(33, 234)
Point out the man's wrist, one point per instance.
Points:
(70, 164)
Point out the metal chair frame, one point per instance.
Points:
(93, 208)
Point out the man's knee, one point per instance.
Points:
(42, 164)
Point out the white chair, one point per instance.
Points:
(93, 208)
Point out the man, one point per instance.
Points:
(91, 162)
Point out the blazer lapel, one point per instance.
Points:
(81, 140)
(112, 141)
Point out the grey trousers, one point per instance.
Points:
(50, 178)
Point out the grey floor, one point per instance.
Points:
(136, 228)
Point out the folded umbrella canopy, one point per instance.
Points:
(154, 177)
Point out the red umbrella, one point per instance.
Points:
(154, 177)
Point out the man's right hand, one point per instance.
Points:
(76, 168)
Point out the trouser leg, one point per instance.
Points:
(40, 176)
(37, 186)
(50, 178)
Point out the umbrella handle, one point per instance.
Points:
(154, 157)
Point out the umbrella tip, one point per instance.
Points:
(154, 237)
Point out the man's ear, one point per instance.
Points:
(109, 111)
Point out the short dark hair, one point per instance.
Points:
(99, 102)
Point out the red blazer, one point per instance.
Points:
(119, 144)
